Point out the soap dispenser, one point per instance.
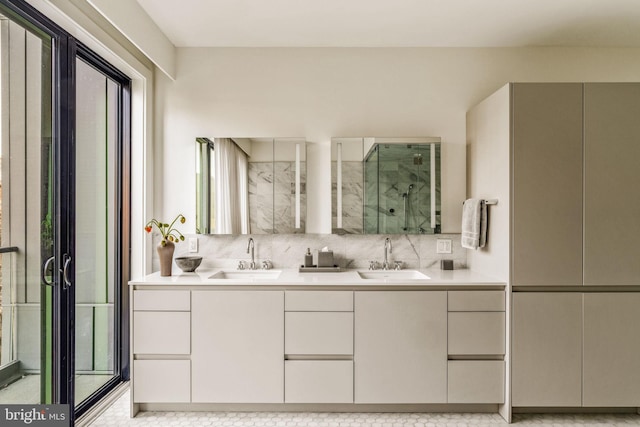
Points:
(308, 258)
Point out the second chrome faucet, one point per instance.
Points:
(250, 249)
(386, 265)
(387, 245)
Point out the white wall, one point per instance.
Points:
(318, 93)
(488, 177)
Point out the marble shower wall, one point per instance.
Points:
(261, 197)
(272, 197)
(352, 197)
(350, 251)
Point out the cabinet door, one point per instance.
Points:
(318, 333)
(611, 349)
(611, 176)
(161, 381)
(161, 332)
(547, 349)
(547, 184)
(237, 346)
(400, 344)
(476, 381)
(476, 333)
(318, 381)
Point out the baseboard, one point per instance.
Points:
(573, 410)
(300, 407)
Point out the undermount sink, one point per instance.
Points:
(246, 274)
(387, 275)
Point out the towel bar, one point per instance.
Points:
(490, 202)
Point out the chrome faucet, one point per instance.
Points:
(250, 246)
(387, 244)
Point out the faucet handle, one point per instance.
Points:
(373, 265)
(266, 265)
(398, 265)
(240, 265)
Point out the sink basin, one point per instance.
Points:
(246, 274)
(387, 275)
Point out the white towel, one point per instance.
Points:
(474, 224)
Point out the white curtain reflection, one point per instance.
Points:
(231, 188)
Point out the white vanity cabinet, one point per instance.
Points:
(161, 338)
(400, 347)
(251, 347)
(238, 346)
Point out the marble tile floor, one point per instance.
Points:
(118, 415)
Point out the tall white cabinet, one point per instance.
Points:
(575, 195)
(568, 222)
(611, 184)
(546, 192)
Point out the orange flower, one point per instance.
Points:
(169, 233)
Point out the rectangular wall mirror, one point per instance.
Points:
(250, 185)
(385, 185)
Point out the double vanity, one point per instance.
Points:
(355, 340)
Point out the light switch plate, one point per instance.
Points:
(443, 246)
(193, 244)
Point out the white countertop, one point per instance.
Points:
(346, 278)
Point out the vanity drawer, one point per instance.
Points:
(162, 381)
(476, 333)
(318, 381)
(318, 333)
(318, 301)
(476, 301)
(161, 300)
(475, 381)
(161, 332)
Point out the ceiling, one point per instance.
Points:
(397, 23)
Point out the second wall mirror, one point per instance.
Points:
(250, 185)
(385, 185)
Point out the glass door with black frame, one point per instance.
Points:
(26, 213)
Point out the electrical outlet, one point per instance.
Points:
(193, 244)
(443, 246)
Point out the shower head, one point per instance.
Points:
(405, 195)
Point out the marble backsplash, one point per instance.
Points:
(350, 251)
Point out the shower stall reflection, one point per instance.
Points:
(386, 185)
(399, 187)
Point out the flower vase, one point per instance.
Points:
(166, 258)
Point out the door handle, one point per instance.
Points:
(65, 271)
(45, 268)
